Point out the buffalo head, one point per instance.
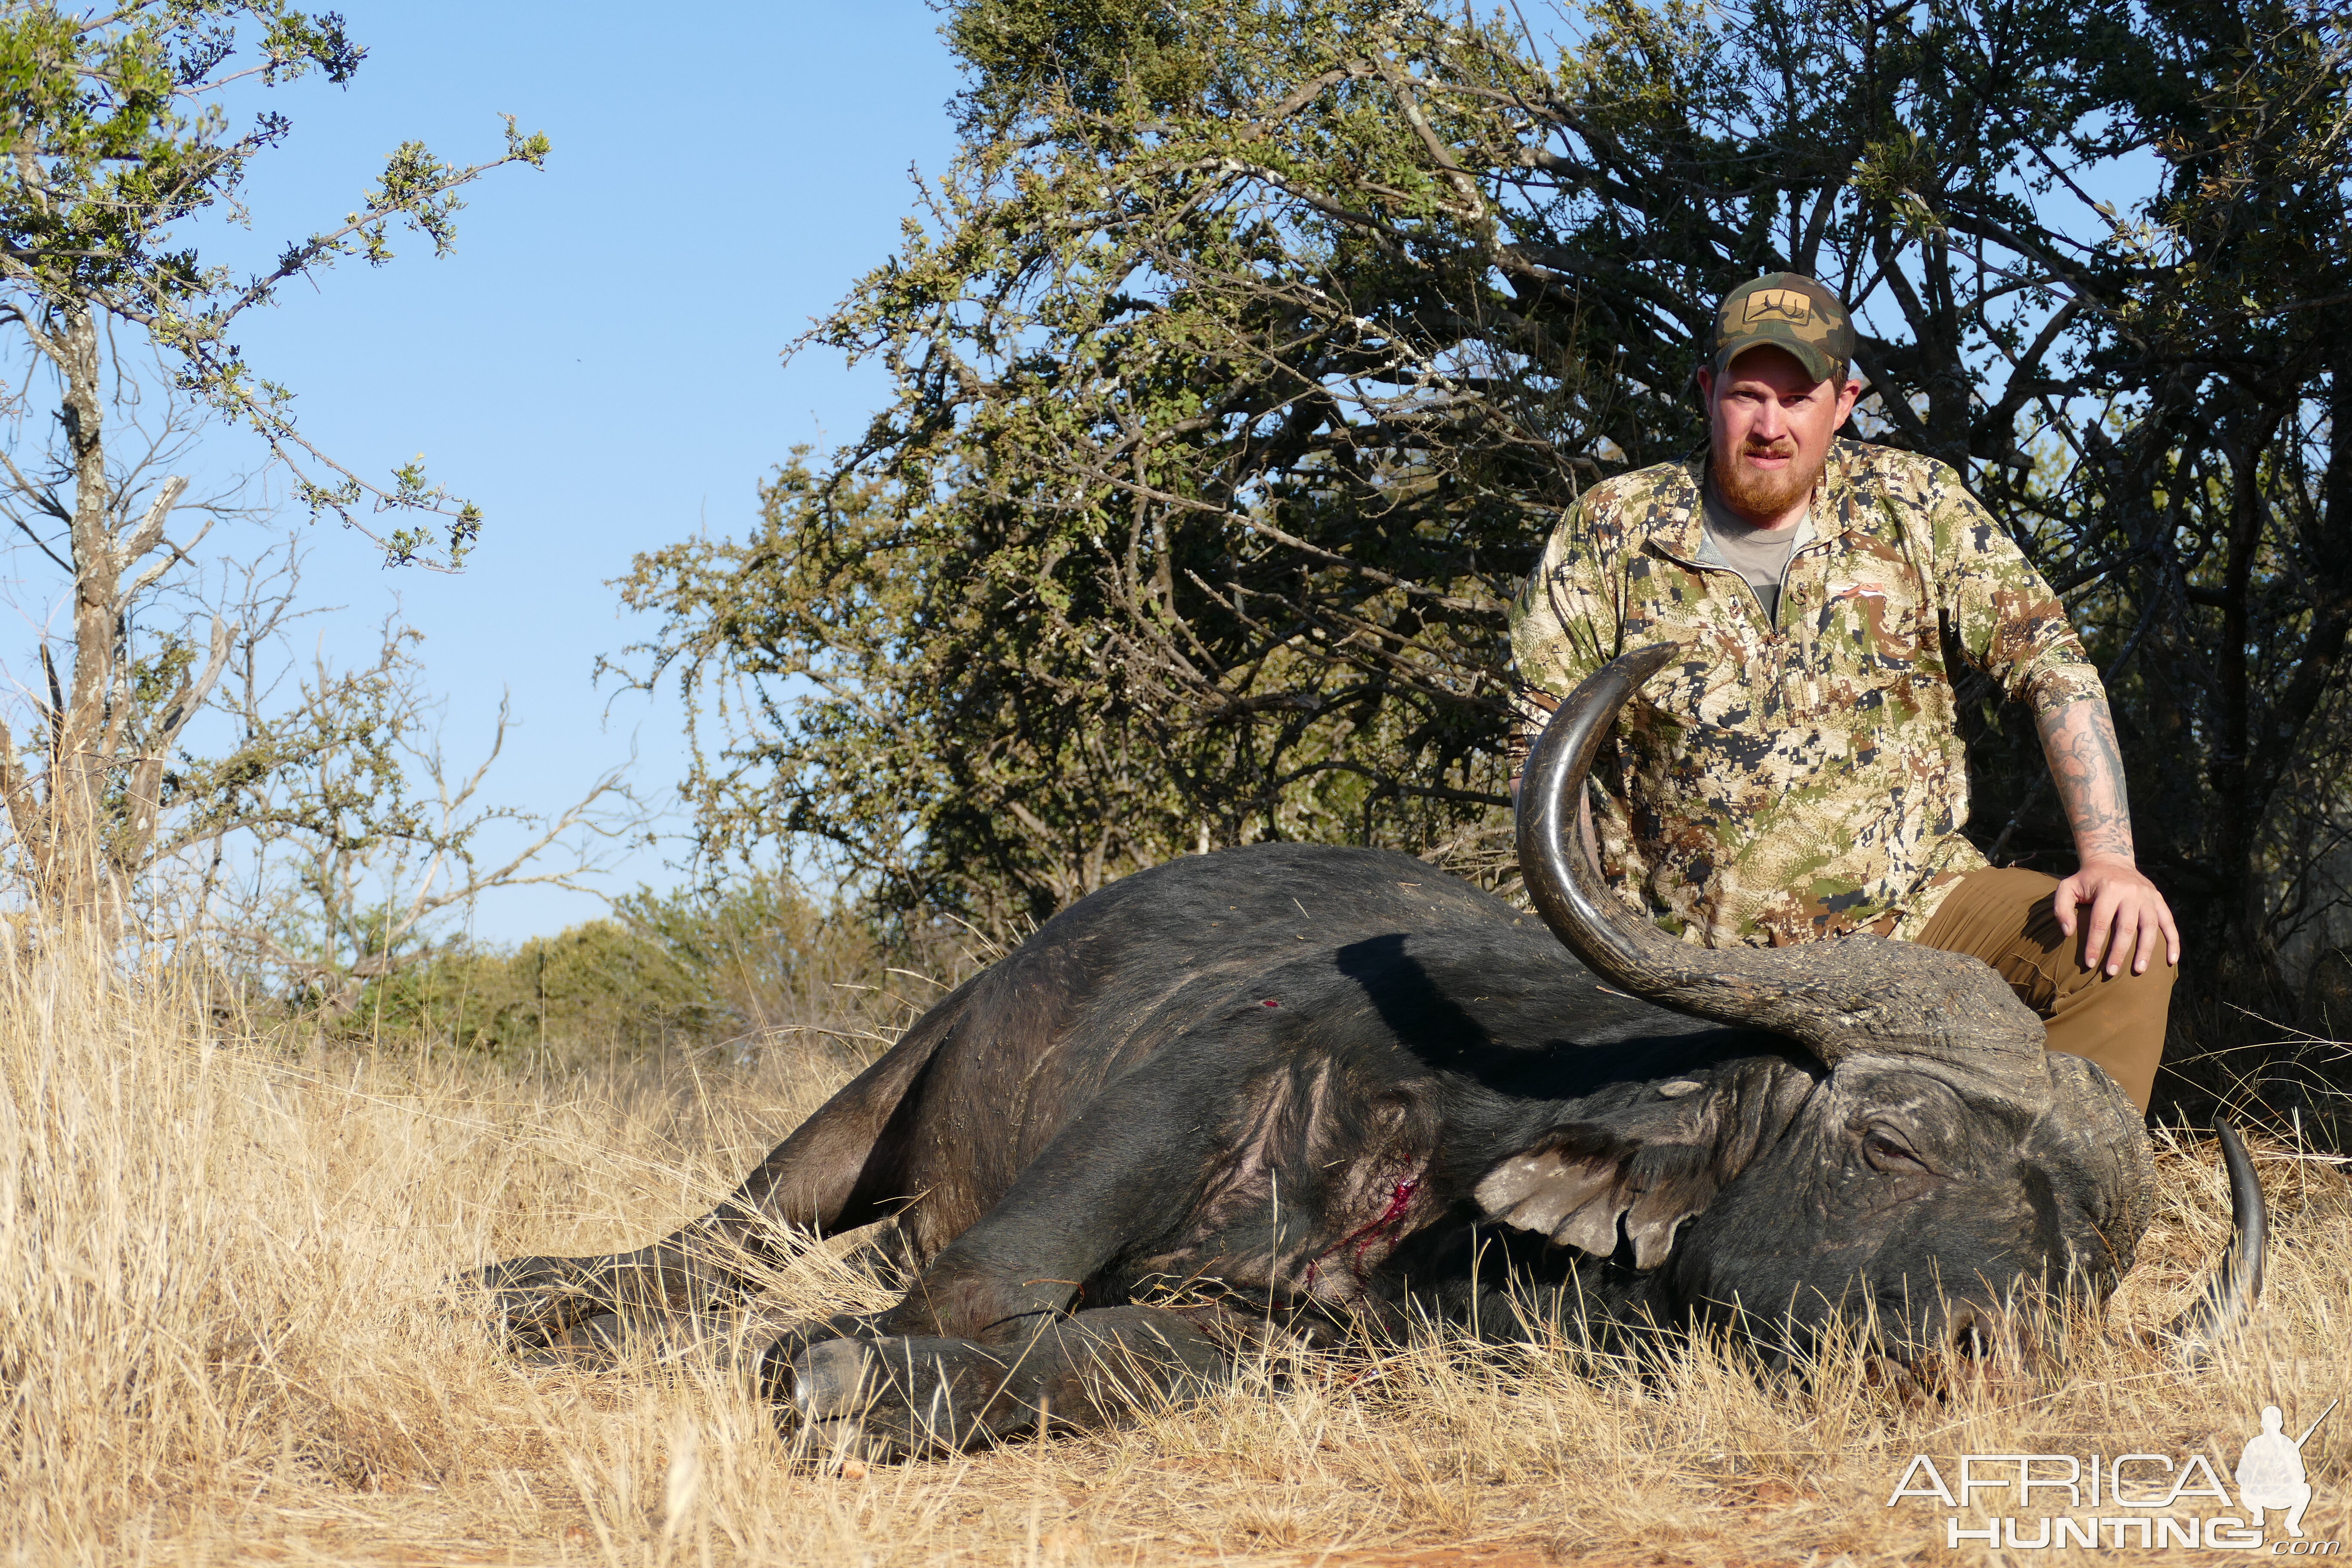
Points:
(1932, 1170)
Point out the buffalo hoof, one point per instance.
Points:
(609, 1339)
(887, 1399)
(833, 1392)
(736, 1341)
(597, 1342)
(774, 1371)
(537, 1304)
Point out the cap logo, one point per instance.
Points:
(1784, 302)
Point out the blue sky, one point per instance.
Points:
(598, 364)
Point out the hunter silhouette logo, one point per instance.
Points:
(2269, 1471)
(1785, 303)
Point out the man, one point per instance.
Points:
(1800, 775)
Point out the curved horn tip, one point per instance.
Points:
(2224, 1308)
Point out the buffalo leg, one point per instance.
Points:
(1117, 1177)
(985, 1344)
(839, 1171)
(884, 1398)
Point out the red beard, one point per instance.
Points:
(1755, 492)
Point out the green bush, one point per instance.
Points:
(763, 952)
(687, 967)
(601, 987)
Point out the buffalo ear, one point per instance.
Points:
(1652, 1160)
(1575, 1188)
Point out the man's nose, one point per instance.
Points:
(1772, 422)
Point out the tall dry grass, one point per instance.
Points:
(224, 1337)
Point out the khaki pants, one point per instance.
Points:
(2006, 918)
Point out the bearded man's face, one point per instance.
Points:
(1769, 425)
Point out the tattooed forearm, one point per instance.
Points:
(2079, 739)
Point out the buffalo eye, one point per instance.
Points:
(1888, 1152)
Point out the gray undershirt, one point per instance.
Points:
(1759, 554)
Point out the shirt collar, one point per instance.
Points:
(1710, 543)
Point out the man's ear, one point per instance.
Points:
(1650, 1156)
(1848, 395)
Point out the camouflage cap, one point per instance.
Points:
(1787, 311)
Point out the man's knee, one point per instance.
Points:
(2004, 916)
(2007, 917)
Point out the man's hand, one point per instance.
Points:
(2125, 916)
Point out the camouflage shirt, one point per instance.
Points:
(1801, 779)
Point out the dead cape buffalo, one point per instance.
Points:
(1306, 1091)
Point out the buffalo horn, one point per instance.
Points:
(2236, 1283)
(1857, 994)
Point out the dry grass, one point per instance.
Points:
(224, 1337)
